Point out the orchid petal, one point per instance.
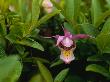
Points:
(47, 4)
(67, 56)
(80, 36)
(48, 10)
(59, 39)
(67, 33)
(67, 42)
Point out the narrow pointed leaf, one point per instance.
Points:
(103, 39)
(94, 58)
(56, 63)
(101, 18)
(37, 78)
(31, 43)
(88, 29)
(96, 10)
(34, 59)
(45, 72)
(47, 17)
(56, 5)
(72, 9)
(61, 76)
(35, 9)
(98, 69)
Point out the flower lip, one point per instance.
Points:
(67, 55)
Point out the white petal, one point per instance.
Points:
(67, 55)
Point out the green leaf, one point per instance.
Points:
(61, 76)
(98, 69)
(2, 52)
(88, 29)
(34, 33)
(16, 36)
(45, 72)
(2, 28)
(12, 38)
(20, 49)
(56, 63)
(70, 28)
(30, 42)
(101, 18)
(103, 39)
(16, 32)
(82, 18)
(72, 9)
(20, 8)
(35, 10)
(10, 69)
(108, 3)
(4, 6)
(95, 58)
(34, 59)
(41, 60)
(2, 42)
(47, 17)
(56, 5)
(96, 10)
(99, 57)
(37, 78)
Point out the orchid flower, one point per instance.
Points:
(11, 8)
(67, 45)
(47, 5)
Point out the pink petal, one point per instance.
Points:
(67, 42)
(67, 33)
(80, 36)
(59, 39)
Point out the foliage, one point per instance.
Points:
(26, 55)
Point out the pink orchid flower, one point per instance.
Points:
(67, 45)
